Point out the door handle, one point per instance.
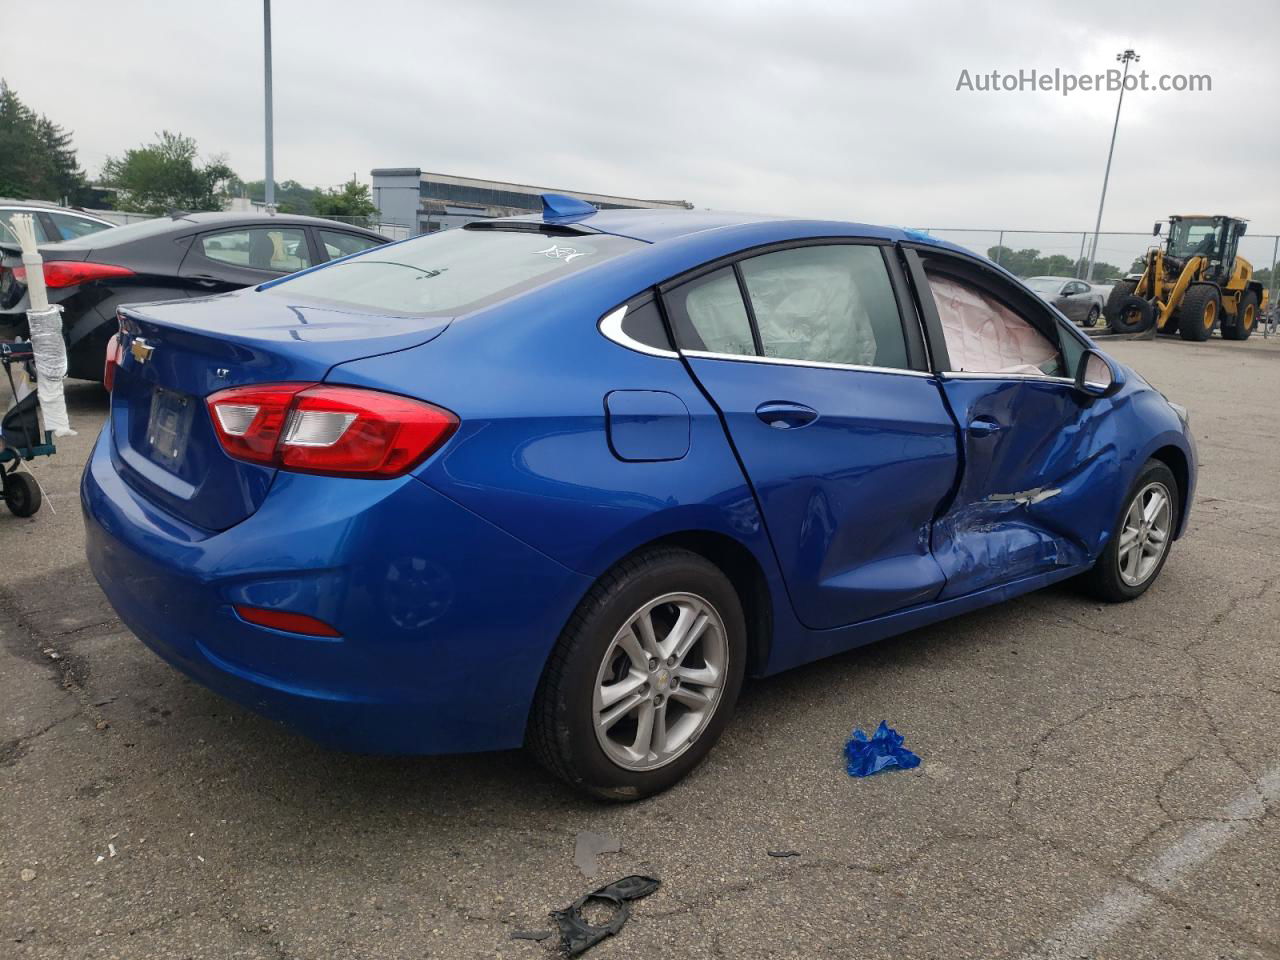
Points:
(984, 427)
(782, 415)
(205, 280)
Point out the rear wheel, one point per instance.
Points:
(1092, 319)
(21, 494)
(1245, 320)
(644, 677)
(1139, 545)
(1200, 310)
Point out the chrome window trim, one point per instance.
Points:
(786, 362)
(974, 375)
(611, 326)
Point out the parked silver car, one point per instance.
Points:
(52, 222)
(1079, 301)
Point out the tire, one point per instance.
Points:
(1109, 578)
(563, 734)
(1133, 315)
(1246, 318)
(21, 494)
(1119, 290)
(1199, 312)
(1092, 319)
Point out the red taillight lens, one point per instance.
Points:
(282, 620)
(69, 273)
(115, 353)
(339, 431)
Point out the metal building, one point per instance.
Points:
(427, 202)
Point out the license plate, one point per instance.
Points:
(169, 425)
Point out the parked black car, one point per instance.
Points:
(192, 255)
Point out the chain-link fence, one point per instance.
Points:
(1029, 253)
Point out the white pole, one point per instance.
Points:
(1126, 57)
(45, 324)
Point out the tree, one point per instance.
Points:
(37, 161)
(165, 175)
(1029, 263)
(351, 202)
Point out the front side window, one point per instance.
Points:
(10, 235)
(983, 335)
(454, 271)
(826, 304)
(338, 244)
(1188, 238)
(708, 314)
(275, 249)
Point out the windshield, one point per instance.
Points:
(1190, 237)
(1045, 285)
(453, 271)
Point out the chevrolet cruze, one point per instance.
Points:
(564, 480)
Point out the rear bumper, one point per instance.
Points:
(446, 621)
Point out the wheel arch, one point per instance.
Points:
(739, 564)
(1176, 460)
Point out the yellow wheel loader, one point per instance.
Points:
(1191, 284)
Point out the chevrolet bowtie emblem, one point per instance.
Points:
(141, 350)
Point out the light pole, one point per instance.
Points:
(266, 37)
(1126, 58)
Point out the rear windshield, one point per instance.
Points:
(453, 271)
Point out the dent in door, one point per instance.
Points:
(1032, 497)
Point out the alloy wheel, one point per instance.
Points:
(1144, 536)
(660, 681)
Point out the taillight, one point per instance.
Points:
(337, 431)
(115, 354)
(69, 273)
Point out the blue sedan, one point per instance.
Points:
(563, 481)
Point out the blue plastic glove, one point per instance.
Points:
(864, 757)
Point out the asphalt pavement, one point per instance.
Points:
(1097, 782)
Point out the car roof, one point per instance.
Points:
(7, 203)
(1062, 279)
(657, 226)
(217, 218)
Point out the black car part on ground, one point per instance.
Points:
(577, 936)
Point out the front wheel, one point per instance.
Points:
(1139, 546)
(643, 678)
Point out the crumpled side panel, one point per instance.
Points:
(985, 336)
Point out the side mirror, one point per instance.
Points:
(1155, 230)
(1241, 229)
(1096, 375)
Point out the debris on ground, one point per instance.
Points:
(576, 935)
(531, 935)
(783, 853)
(590, 845)
(27, 875)
(867, 755)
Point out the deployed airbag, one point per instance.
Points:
(985, 336)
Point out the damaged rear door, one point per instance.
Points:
(1032, 447)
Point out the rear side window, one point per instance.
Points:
(826, 304)
(454, 271)
(708, 314)
(338, 244)
(278, 249)
(71, 226)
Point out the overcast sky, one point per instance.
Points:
(843, 109)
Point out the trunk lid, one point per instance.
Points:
(178, 352)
